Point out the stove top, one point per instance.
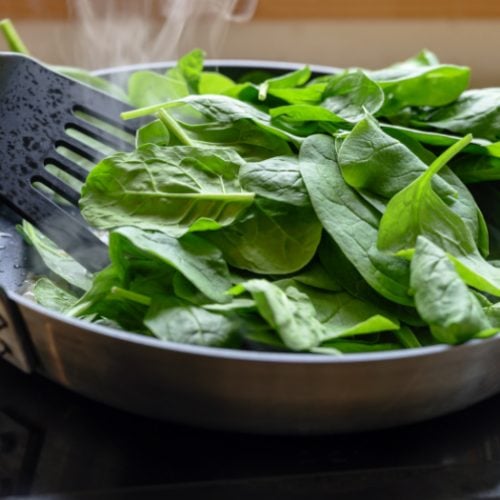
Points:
(55, 444)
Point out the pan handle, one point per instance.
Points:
(15, 343)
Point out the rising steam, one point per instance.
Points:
(117, 32)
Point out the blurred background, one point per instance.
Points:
(101, 33)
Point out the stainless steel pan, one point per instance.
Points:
(235, 390)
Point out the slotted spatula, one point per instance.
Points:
(37, 107)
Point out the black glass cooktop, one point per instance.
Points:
(55, 444)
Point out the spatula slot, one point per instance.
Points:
(90, 152)
(120, 129)
(66, 165)
(57, 186)
(99, 135)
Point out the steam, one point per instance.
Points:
(118, 32)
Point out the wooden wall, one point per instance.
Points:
(301, 9)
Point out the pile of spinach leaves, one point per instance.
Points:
(298, 212)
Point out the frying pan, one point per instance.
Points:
(260, 392)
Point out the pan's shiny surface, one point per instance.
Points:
(259, 392)
(247, 391)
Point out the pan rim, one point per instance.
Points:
(237, 63)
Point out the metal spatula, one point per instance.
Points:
(37, 108)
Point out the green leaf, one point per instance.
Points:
(306, 113)
(288, 80)
(371, 159)
(214, 83)
(418, 210)
(475, 111)
(272, 238)
(477, 168)
(290, 313)
(315, 275)
(154, 132)
(311, 94)
(166, 189)
(57, 260)
(191, 67)
(351, 95)
(277, 179)
(343, 315)
(342, 271)
(350, 220)
(407, 338)
(216, 110)
(442, 298)
(51, 296)
(195, 258)
(146, 88)
(420, 81)
(172, 320)
(100, 302)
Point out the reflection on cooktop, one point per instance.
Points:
(53, 441)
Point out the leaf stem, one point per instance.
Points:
(174, 127)
(12, 37)
(148, 110)
(447, 155)
(129, 295)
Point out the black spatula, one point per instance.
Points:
(37, 107)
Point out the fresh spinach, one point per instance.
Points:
(292, 212)
(452, 311)
(165, 189)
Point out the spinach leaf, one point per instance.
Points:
(476, 168)
(311, 94)
(57, 260)
(288, 80)
(418, 210)
(100, 302)
(214, 83)
(272, 238)
(476, 112)
(440, 139)
(195, 258)
(371, 159)
(52, 296)
(277, 178)
(350, 221)
(290, 313)
(341, 270)
(146, 88)
(315, 275)
(166, 189)
(407, 338)
(343, 315)
(173, 320)
(154, 132)
(420, 81)
(442, 298)
(351, 95)
(216, 110)
(190, 67)
(305, 113)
